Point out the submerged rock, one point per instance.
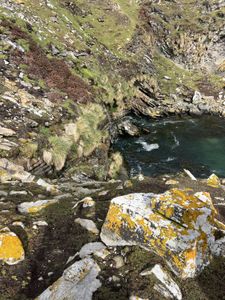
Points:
(11, 248)
(77, 282)
(176, 225)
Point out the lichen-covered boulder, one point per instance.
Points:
(11, 248)
(77, 282)
(177, 225)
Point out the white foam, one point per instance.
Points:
(176, 141)
(148, 147)
(169, 159)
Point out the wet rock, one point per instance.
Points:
(77, 282)
(176, 225)
(127, 127)
(87, 224)
(11, 248)
(166, 286)
(34, 207)
(213, 181)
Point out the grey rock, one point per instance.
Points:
(197, 98)
(87, 224)
(77, 282)
(91, 248)
(6, 131)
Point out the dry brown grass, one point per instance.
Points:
(54, 72)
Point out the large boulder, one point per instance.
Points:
(176, 225)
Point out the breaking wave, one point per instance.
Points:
(148, 147)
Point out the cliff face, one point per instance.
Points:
(70, 68)
(70, 71)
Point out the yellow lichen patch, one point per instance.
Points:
(179, 205)
(11, 248)
(35, 209)
(146, 230)
(113, 220)
(116, 219)
(213, 181)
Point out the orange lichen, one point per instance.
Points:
(116, 218)
(11, 248)
(191, 254)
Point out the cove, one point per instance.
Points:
(172, 144)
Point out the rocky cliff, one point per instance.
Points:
(70, 72)
(69, 69)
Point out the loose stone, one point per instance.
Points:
(11, 248)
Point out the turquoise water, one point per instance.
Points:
(172, 144)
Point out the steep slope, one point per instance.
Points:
(84, 64)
